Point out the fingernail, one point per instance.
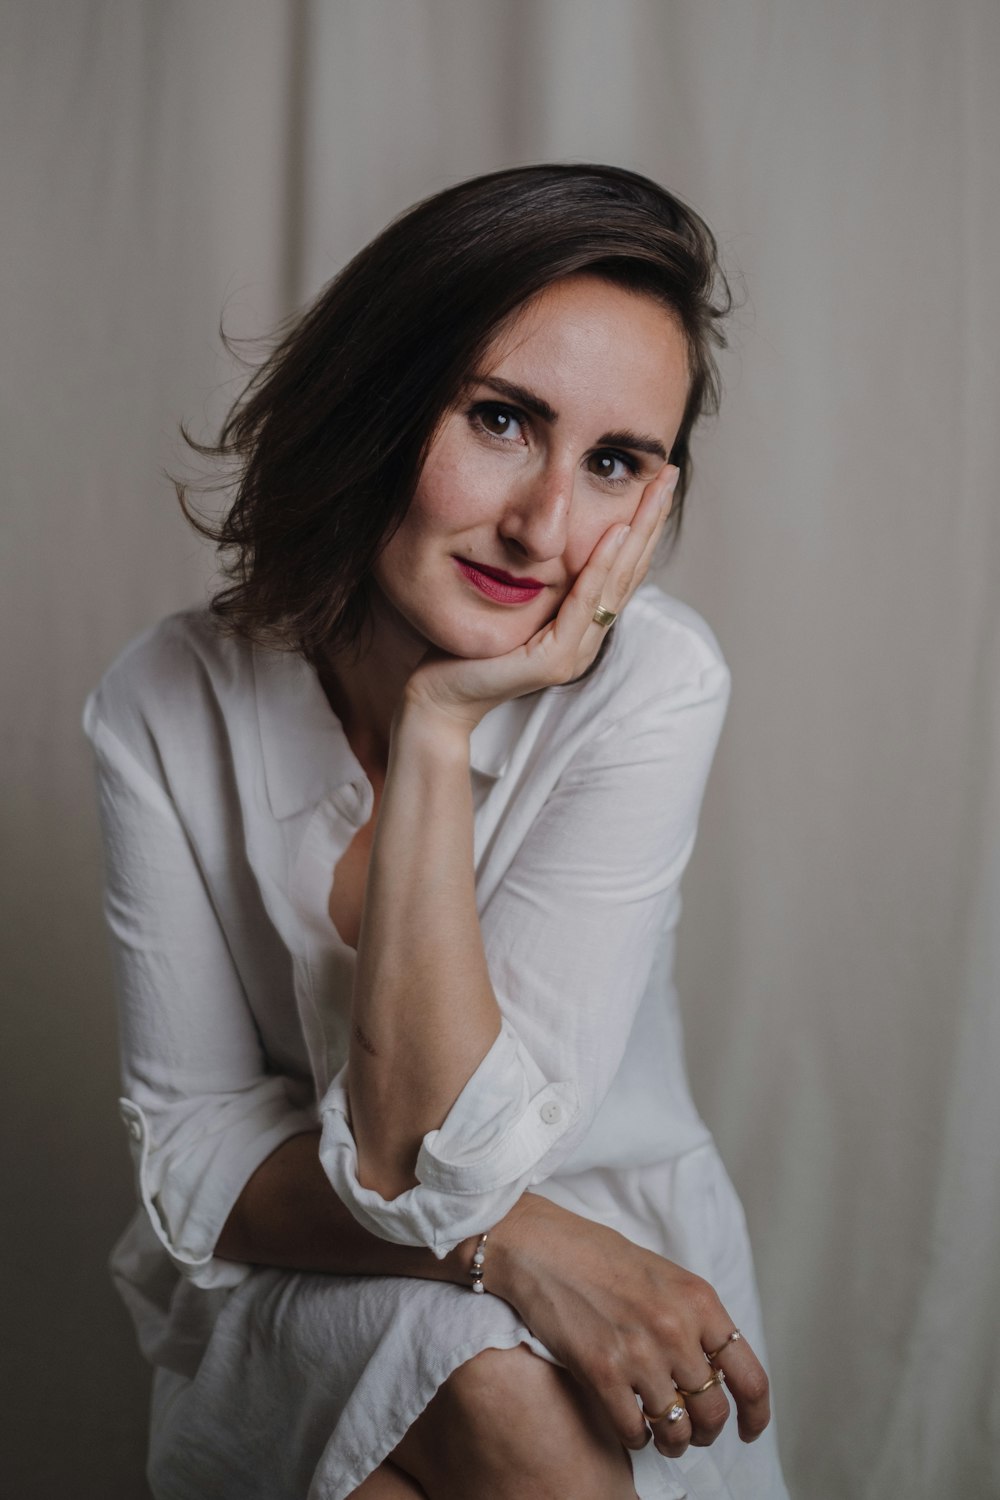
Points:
(675, 474)
(622, 535)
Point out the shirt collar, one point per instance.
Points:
(305, 751)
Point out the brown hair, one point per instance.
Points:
(327, 439)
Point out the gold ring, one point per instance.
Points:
(717, 1379)
(730, 1340)
(672, 1413)
(604, 616)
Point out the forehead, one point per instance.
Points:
(587, 340)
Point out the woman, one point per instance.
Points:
(393, 869)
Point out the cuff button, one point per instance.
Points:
(551, 1113)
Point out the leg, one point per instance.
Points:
(388, 1483)
(512, 1426)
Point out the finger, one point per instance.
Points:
(747, 1382)
(629, 566)
(642, 567)
(621, 547)
(619, 1406)
(650, 513)
(576, 613)
(606, 576)
(704, 1397)
(670, 1424)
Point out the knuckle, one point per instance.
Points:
(756, 1387)
(699, 1291)
(635, 1348)
(665, 1326)
(703, 1298)
(604, 1370)
(667, 1320)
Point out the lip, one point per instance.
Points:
(501, 587)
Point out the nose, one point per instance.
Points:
(535, 520)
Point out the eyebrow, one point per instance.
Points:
(539, 408)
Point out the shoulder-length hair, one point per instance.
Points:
(327, 439)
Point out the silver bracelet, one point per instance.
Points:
(476, 1269)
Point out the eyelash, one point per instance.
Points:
(476, 412)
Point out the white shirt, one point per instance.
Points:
(228, 794)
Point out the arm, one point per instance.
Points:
(202, 1110)
(569, 932)
(420, 954)
(615, 1334)
(566, 938)
(289, 1216)
(424, 1016)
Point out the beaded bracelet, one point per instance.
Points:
(476, 1269)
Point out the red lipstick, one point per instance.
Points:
(496, 584)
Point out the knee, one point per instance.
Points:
(515, 1378)
(510, 1423)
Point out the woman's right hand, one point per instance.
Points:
(625, 1322)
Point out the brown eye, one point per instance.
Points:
(613, 468)
(497, 421)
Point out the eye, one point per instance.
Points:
(496, 421)
(611, 467)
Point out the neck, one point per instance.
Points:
(364, 685)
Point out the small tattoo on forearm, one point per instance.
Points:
(364, 1041)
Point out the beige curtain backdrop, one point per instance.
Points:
(163, 160)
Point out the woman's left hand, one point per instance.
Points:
(465, 689)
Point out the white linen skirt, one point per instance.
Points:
(309, 1382)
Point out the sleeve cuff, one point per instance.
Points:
(188, 1226)
(471, 1170)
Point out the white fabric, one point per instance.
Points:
(228, 794)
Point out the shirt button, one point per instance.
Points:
(551, 1112)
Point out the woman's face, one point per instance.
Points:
(573, 410)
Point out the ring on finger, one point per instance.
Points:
(732, 1339)
(672, 1413)
(718, 1378)
(604, 616)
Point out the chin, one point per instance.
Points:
(481, 638)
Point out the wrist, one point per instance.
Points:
(456, 1266)
(428, 724)
(507, 1267)
(501, 1252)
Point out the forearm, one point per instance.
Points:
(424, 1014)
(289, 1216)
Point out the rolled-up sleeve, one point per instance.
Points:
(200, 1109)
(505, 1119)
(570, 935)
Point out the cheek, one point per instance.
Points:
(588, 528)
(456, 492)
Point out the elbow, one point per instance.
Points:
(386, 1162)
(387, 1173)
